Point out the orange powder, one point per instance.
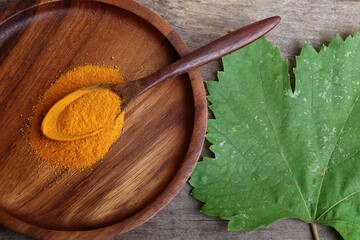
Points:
(83, 153)
(89, 113)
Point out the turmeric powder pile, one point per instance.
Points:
(75, 119)
(89, 113)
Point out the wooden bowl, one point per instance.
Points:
(163, 132)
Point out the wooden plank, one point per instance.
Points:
(201, 21)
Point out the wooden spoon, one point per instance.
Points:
(128, 91)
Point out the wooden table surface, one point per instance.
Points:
(200, 21)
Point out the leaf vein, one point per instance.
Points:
(332, 153)
(338, 202)
(278, 142)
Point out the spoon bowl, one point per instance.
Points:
(49, 124)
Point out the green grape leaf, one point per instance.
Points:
(280, 153)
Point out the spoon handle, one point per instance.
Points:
(212, 51)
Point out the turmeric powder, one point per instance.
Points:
(89, 113)
(82, 153)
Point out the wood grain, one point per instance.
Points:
(198, 22)
(162, 136)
